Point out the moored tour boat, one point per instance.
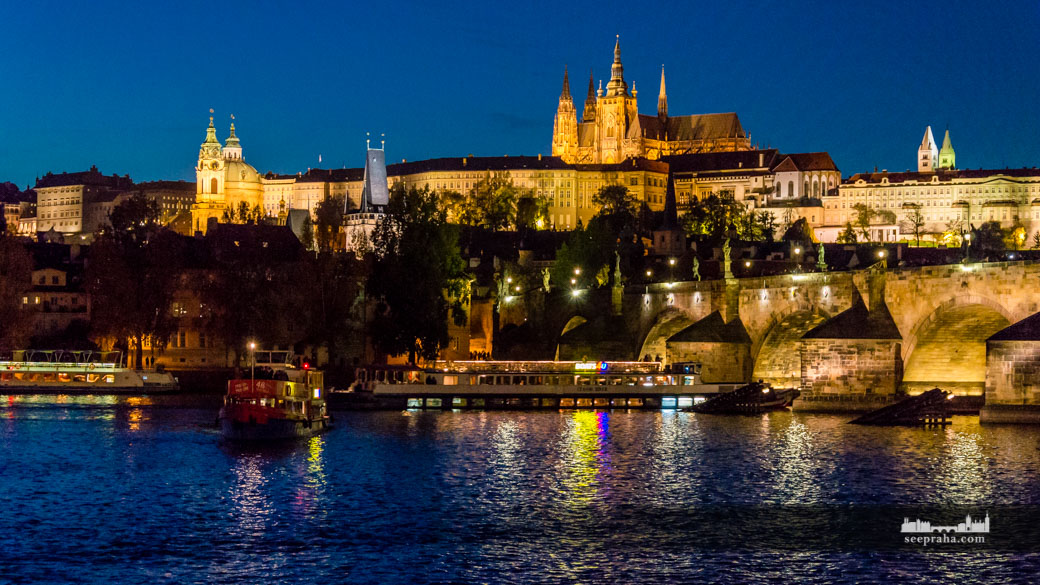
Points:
(278, 401)
(528, 385)
(78, 372)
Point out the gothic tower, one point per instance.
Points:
(616, 112)
(928, 153)
(947, 157)
(565, 126)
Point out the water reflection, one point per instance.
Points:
(584, 457)
(963, 472)
(506, 463)
(249, 494)
(137, 412)
(796, 465)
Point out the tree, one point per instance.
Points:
(588, 250)
(132, 272)
(710, 216)
(417, 269)
(532, 211)
(988, 239)
(16, 266)
(492, 202)
(885, 216)
(1015, 236)
(329, 214)
(307, 233)
(617, 212)
(914, 221)
(848, 235)
(243, 211)
(799, 232)
(1036, 241)
(864, 215)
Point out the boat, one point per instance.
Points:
(277, 401)
(753, 398)
(480, 384)
(78, 372)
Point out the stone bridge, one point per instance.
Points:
(875, 331)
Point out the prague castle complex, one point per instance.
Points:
(611, 143)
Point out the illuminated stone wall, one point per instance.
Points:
(1013, 372)
(850, 367)
(720, 362)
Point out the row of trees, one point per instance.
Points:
(138, 272)
(497, 204)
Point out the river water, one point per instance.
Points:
(143, 490)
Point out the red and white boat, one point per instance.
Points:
(277, 401)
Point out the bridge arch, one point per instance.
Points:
(572, 323)
(776, 354)
(667, 323)
(947, 347)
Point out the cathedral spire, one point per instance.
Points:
(566, 85)
(617, 85)
(590, 102)
(947, 156)
(662, 98)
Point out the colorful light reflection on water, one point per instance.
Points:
(132, 491)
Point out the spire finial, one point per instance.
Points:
(662, 98)
(382, 142)
(211, 117)
(368, 141)
(617, 85)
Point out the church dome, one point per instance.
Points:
(239, 171)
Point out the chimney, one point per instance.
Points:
(463, 161)
(761, 159)
(539, 156)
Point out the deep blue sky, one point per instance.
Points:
(128, 86)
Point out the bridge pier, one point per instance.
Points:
(1013, 374)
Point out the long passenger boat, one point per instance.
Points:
(529, 385)
(78, 372)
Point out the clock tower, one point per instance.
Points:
(209, 181)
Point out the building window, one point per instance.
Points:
(213, 185)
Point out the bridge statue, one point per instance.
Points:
(696, 269)
(617, 269)
(820, 262)
(545, 279)
(725, 260)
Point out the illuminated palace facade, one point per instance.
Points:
(612, 129)
(224, 180)
(950, 199)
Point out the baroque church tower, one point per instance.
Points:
(209, 181)
(223, 180)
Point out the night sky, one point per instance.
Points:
(127, 86)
